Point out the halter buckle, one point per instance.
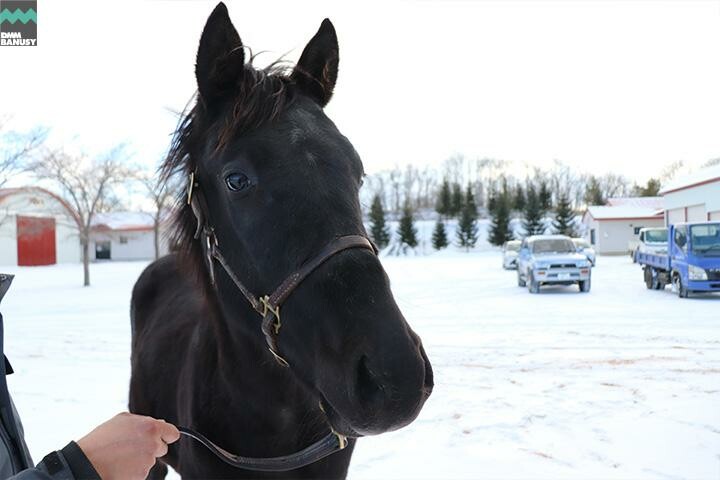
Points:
(267, 307)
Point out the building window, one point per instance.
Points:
(636, 230)
(592, 236)
(123, 240)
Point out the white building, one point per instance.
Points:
(694, 197)
(36, 228)
(125, 236)
(614, 228)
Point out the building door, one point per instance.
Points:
(102, 250)
(696, 213)
(35, 241)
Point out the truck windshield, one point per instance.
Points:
(554, 245)
(705, 239)
(656, 236)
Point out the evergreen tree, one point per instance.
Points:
(406, 229)
(439, 236)
(545, 197)
(456, 200)
(564, 222)
(378, 230)
(533, 213)
(651, 189)
(470, 201)
(444, 201)
(500, 225)
(519, 199)
(467, 229)
(593, 192)
(492, 200)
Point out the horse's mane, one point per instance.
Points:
(260, 96)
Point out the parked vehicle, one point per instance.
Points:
(552, 260)
(510, 254)
(650, 240)
(584, 247)
(691, 263)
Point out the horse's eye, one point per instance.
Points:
(237, 181)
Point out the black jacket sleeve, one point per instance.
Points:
(70, 463)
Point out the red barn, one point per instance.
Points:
(36, 228)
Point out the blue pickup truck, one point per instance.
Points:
(692, 262)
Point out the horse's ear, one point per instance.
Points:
(317, 69)
(220, 58)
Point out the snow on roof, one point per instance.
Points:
(704, 175)
(123, 221)
(607, 212)
(643, 202)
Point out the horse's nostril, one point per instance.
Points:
(369, 390)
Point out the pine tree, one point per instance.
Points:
(378, 230)
(533, 213)
(439, 236)
(519, 199)
(470, 201)
(406, 229)
(564, 223)
(593, 192)
(492, 200)
(444, 201)
(650, 190)
(467, 229)
(545, 197)
(500, 225)
(456, 200)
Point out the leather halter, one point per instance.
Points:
(268, 306)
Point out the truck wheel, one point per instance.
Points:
(584, 285)
(647, 273)
(533, 286)
(521, 282)
(682, 291)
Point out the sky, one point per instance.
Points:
(604, 86)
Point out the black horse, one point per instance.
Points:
(278, 182)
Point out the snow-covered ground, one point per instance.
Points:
(618, 383)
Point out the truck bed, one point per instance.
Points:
(659, 261)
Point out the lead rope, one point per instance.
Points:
(331, 443)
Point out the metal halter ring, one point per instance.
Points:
(267, 307)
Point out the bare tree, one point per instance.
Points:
(712, 162)
(163, 195)
(16, 148)
(87, 185)
(670, 170)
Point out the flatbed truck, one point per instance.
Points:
(692, 261)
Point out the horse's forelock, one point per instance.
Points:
(261, 96)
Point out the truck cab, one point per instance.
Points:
(651, 240)
(694, 257)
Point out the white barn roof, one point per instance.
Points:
(642, 202)
(701, 177)
(608, 212)
(125, 221)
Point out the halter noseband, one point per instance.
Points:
(268, 306)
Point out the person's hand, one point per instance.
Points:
(126, 446)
